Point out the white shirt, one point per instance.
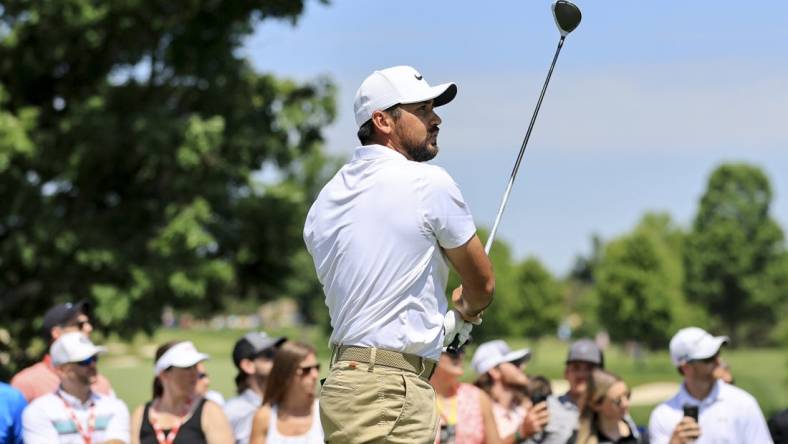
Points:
(375, 234)
(240, 410)
(728, 415)
(47, 420)
(313, 436)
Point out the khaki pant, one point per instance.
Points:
(360, 403)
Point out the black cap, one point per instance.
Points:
(61, 314)
(585, 350)
(252, 344)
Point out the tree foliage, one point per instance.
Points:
(638, 283)
(130, 133)
(735, 256)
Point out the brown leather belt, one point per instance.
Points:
(375, 356)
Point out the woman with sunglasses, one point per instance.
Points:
(290, 412)
(177, 415)
(466, 415)
(604, 414)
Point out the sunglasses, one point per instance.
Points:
(308, 369)
(620, 400)
(202, 375)
(80, 324)
(87, 362)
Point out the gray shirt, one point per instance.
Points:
(562, 428)
(240, 411)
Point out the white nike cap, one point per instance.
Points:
(397, 85)
(692, 343)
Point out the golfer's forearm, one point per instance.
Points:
(475, 270)
(478, 297)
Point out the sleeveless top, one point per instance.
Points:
(189, 433)
(313, 436)
(469, 428)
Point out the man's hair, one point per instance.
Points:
(367, 130)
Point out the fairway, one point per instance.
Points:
(762, 372)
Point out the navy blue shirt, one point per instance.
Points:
(11, 405)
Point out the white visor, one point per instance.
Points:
(181, 355)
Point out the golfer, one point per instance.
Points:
(382, 233)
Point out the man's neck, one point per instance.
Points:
(699, 389)
(76, 389)
(256, 384)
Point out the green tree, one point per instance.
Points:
(130, 133)
(638, 283)
(735, 257)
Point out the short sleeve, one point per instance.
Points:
(118, 427)
(658, 431)
(447, 215)
(37, 428)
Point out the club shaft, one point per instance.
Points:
(516, 168)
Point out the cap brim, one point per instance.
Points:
(714, 348)
(523, 355)
(190, 360)
(439, 94)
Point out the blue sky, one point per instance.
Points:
(646, 100)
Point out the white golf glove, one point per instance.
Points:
(455, 326)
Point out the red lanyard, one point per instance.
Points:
(87, 436)
(169, 438)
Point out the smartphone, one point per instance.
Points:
(538, 397)
(691, 411)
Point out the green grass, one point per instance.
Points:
(129, 365)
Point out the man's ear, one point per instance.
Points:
(383, 122)
(247, 366)
(56, 332)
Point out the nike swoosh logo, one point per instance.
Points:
(418, 77)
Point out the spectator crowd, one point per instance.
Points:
(63, 398)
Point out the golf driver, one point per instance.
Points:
(567, 16)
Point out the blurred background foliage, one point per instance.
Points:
(144, 164)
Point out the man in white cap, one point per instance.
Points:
(725, 413)
(501, 375)
(253, 356)
(583, 357)
(382, 234)
(74, 413)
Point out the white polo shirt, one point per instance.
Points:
(375, 234)
(47, 420)
(729, 415)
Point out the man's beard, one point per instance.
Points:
(421, 151)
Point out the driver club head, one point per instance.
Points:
(567, 16)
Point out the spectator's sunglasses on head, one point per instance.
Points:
(303, 371)
(87, 362)
(80, 323)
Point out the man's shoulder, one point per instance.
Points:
(30, 374)
(735, 395)
(11, 395)
(43, 403)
